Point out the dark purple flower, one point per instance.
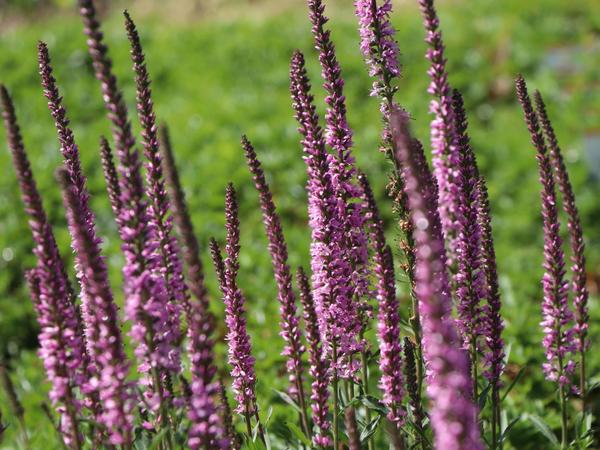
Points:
(579, 288)
(111, 177)
(163, 246)
(103, 335)
(443, 138)
(494, 325)
(337, 240)
(238, 341)
(388, 317)
(289, 323)
(469, 278)
(449, 384)
(318, 363)
(559, 337)
(62, 345)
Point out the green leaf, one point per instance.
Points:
(289, 400)
(298, 433)
(507, 429)
(370, 429)
(543, 428)
(372, 403)
(483, 396)
(158, 439)
(513, 383)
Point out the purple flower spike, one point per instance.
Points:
(164, 246)
(339, 135)
(62, 345)
(339, 253)
(238, 341)
(116, 108)
(377, 41)
(449, 384)
(111, 176)
(319, 188)
(494, 325)
(104, 335)
(469, 279)
(206, 431)
(388, 318)
(579, 288)
(289, 323)
(559, 338)
(318, 363)
(443, 137)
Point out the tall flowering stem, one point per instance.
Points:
(559, 339)
(579, 288)
(290, 321)
(111, 176)
(238, 341)
(414, 393)
(388, 318)
(449, 383)
(469, 279)
(380, 49)
(319, 369)
(103, 336)
(351, 265)
(494, 325)
(321, 213)
(62, 345)
(207, 429)
(443, 138)
(129, 166)
(145, 293)
(165, 247)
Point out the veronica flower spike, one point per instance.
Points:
(557, 319)
(62, 347)
(290, 321)
(449, 385)
(578, 267)
(443, 138)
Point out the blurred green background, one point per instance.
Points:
(220, 68)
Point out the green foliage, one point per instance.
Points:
(214, 78)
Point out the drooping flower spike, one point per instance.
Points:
(62, 347)
(449, 384)
(578, 267)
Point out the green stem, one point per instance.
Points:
(334, 385)
(494, 419)
(302, 404)
(564, 418)
(582, 374)
(261, 430)
(365, 381)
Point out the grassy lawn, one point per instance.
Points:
(223, 71)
